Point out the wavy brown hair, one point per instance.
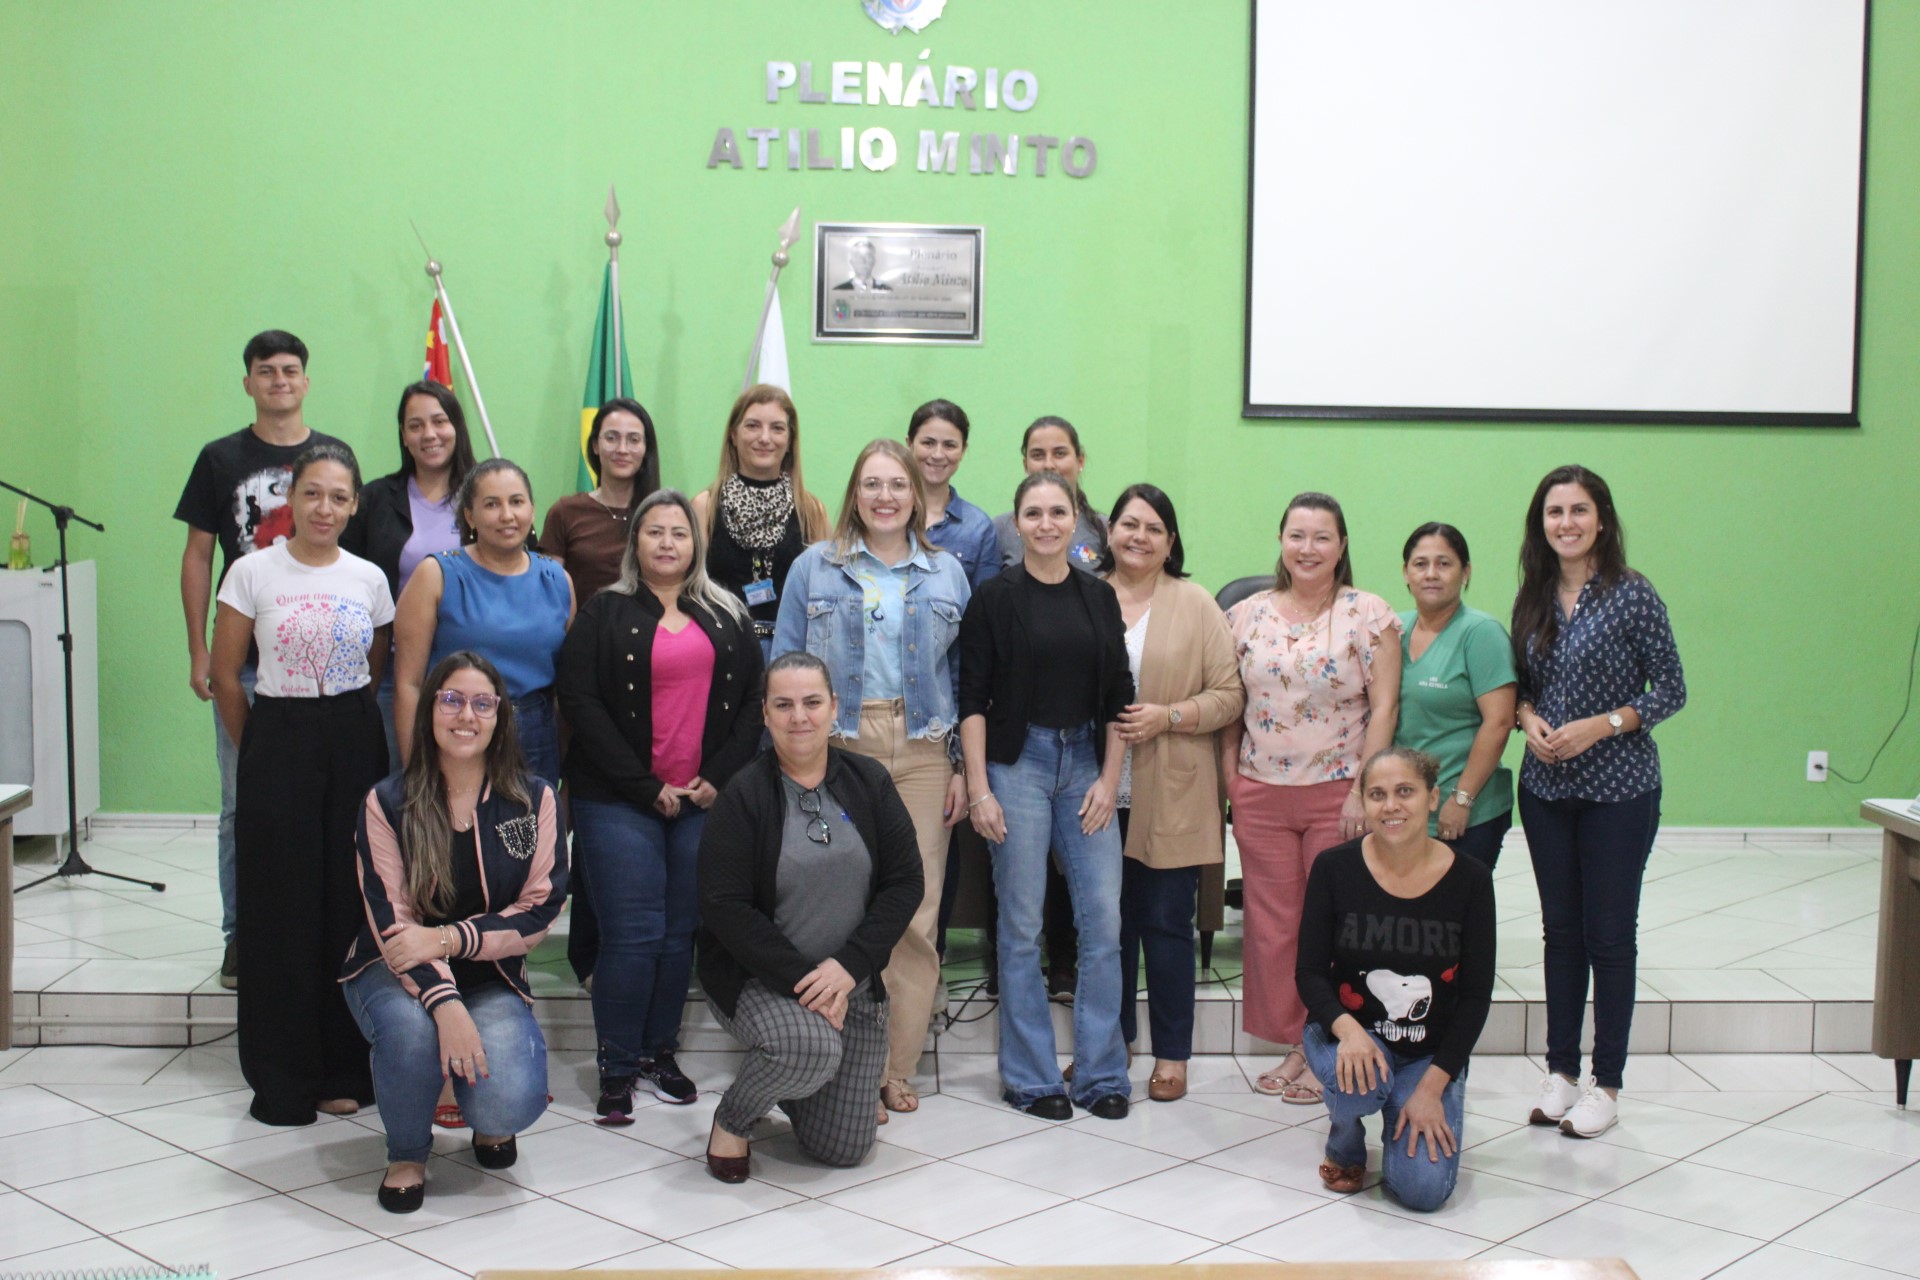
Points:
(426, 822)
(1310, 501)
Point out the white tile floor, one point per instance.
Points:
(1740, 1165)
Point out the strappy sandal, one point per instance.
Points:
(1342, 1179)
(1275, 1083)
(448, 1116)
(898, 1095)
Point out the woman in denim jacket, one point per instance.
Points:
(881, 606)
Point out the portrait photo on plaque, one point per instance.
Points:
(897, 282)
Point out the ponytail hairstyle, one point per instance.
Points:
(1073, 437)
(471, 485)
(426, 822)
(946, 411)
(1536, 615)
(1422, 764)
(1310, 501)
(318, 453)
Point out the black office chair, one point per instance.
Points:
(1230, 595)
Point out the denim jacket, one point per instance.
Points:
(822, 611)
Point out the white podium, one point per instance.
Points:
(33, 737)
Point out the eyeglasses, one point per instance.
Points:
(817, 829)
(452, 702)
(898, 486)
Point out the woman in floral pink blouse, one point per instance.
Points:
(1321, 663)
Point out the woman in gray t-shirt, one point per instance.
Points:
(809, 874)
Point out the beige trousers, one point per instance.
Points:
(921, 772)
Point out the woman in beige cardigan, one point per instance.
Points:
(1188, 683)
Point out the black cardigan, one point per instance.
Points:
(604, 681)
(996, 659)
(381, 526)
(739, 868)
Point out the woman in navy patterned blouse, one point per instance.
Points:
(1598, 669)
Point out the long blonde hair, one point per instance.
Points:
(697, 586)
(426, 824)
(813, 512)
(850, 526)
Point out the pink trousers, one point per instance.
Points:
(1280, 831)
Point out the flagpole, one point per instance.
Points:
(459, 343)
(787, 233)
(613, 276)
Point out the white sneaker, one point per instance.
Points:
(1556, 1097)
(1593, 1115)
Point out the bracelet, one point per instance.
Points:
(446, 947)
(977, 803)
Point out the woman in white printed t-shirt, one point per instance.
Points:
(311, 746)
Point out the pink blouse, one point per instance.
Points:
(1306, 717)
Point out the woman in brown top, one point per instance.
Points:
(587, 532)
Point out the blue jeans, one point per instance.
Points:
(1040, 795)
(1422, 1181)
(1482, 841)
(645, 875)
(1588, 860)
(1156, 917)
(227, 753)
(406, 1062)
(539, 734)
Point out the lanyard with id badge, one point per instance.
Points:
(760, 589)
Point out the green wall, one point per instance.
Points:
(178, 176)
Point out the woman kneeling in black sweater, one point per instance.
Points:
(1396, 971)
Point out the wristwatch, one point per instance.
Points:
(1462, 798)
(1173, 715)
(1614, 719)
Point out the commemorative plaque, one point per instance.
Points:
(897, 282)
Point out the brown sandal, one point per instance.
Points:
(898, 1095)
(1342, 1179)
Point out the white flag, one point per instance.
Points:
(770, 362)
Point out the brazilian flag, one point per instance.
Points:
(609, 353)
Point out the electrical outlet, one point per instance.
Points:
(1816, 766)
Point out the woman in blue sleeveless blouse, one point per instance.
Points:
(497, 598)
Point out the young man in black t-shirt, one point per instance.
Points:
(236, 496)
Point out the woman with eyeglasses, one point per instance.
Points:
(658, 679)
(588, 532)
(462, 871)
(809, 874)
(881, 606)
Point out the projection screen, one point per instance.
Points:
(1582, 210)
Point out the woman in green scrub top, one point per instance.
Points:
(1457, 687)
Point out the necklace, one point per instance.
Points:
(756, 515)
(618, 514)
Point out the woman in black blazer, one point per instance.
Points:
(809, 874)
(1043, 681)
(658, 678)
(435, 456)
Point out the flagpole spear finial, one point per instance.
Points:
(789, 231)
(612, 212)
(453, 328)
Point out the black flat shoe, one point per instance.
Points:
(1052, 1107)
(496, 1155)
(1111, 1107)
(402, 1199)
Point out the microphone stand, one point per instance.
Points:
(74, 864)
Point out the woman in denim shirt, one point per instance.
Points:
(1598, 669)
(881, 606)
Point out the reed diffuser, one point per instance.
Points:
(20, 547)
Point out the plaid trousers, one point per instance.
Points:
(827, 1081)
